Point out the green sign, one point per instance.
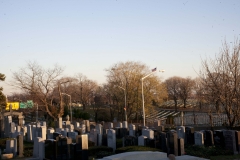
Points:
(28, 104)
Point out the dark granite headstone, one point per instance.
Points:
(151, 143)
(104, 140)
(189, 135)
(80, 149)
(163, 141)
(209, 138)
(237, 136)
(181, 150)
(51, 149)
(64, 147)
(230, 140)
(160, 128)
(218, 138)
(130, 141)
(172, 143)
(56, 134)
(78, 130)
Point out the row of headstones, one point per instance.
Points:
(61, 147)
(227, 139)
(15, 146)
(10, 128)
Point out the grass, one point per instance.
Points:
(229, 157)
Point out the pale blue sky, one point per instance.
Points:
(89, 36)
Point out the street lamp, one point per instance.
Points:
(143, 95)
(125, 108)
(70, 104)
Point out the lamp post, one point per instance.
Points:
(70, 104)
(143, 94)
(125, 97)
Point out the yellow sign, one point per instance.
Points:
(15, 105)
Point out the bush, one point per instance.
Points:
(119, 143)
(92, 151)
(134, 148)
(206, 152)
(102, 154)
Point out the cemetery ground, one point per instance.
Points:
(109, 138)
(97, 152)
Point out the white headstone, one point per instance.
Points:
(125, 124)
(148, 133)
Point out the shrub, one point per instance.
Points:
(134, 148)
(206, 152)
(102, 154)
(92, 151)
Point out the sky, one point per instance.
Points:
(89, 36)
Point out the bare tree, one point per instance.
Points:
(40, 83)
(173, 89)
(185, 89)
(84, 89)
(221, 77)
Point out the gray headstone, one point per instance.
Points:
(111, 139)
(230, 141)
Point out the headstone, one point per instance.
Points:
(87, 126)
(172, 143)
(230, 141)
(56, 134)
(119, 125)
(20, 145)
(219, 138)
(181, 131)
(29, 133)
(51, 149)
(93, 136)
(9, 146)
(83, 128)
(164, 141)
(142, 140)
(148, 133)
(50, 132)
(64, 147)
(125, 124)
(38, 149)
(72, 135)
(189, 135)
(209, 138)
(237, 136)
(81, 147)
(99, 128)
(130, 141)
(110, 125)
(157, 123)
(99, 139)
(198, 138)
(160, 128)
(76, 125)
(132, 130)
(111, 135)
(181, 150)
(104, 140)
(79, 131)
